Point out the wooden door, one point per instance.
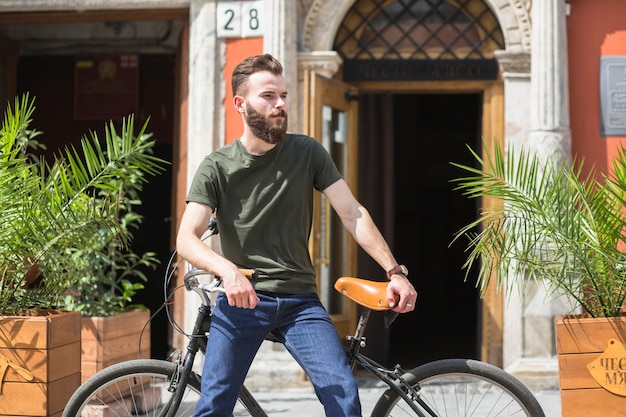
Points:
(332, 119)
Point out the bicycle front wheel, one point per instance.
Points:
(461, 388)
(141, 387)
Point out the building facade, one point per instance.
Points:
(396, 90)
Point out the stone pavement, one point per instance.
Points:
(301, 401)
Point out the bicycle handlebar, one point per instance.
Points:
(193, 284)
(250, 273)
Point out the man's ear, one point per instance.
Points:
(239, 103)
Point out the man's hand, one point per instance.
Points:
(239, 290)
(401, 295)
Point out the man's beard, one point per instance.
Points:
(272, 131)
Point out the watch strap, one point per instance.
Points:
(398, 269)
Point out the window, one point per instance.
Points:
(419, 30)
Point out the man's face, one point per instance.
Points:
(271, 129)
(266, 106)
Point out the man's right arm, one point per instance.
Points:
(190, 246)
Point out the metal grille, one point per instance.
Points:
(419, 30)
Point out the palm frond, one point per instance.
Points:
(552, 224)
(48, 209)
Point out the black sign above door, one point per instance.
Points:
(420, 70)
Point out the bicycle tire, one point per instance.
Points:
(461, 388)
(136, 388)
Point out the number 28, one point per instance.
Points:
(239, 19)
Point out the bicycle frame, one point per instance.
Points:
(393, 378)
(197, 342)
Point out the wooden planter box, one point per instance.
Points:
(581, 341)
(109, 340)
(46, 347)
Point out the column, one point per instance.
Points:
(549, 109)
(203, 106)
(280, 40)
(528, 339)
(206, 90)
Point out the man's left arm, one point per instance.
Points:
(357, 220)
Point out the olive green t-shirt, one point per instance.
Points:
(264, 207)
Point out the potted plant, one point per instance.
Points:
(564, 229)
(114, 329)
(47, 210)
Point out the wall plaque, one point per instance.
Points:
(106, 87)
(613, 95)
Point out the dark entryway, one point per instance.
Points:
(424, 133)
(50, 79)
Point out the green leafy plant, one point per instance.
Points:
(554, 225)
(111, 274)
(49, 210)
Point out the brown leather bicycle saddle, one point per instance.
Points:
(370, 294)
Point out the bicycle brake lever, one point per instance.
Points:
(390, 316)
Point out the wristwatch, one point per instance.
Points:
(398, 269)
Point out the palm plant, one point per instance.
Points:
(107, 275)
(555, 225)
(48, 210)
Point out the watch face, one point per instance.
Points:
(404, 270)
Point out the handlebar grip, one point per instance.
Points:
(250, 273)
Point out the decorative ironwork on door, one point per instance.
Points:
(432, 39)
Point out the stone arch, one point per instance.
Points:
(325, 16)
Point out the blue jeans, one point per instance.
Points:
(303, 325)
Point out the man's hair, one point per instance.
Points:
(249, 66)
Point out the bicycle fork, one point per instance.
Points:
(180, 379)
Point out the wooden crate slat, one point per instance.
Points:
(89, 368)
(574, 335)
(103, 351)
(113, 339)
(112, 327)
(39, 332)
(46, 365)
(64, 330)
(37, 399)
(591, 403)
(59, 414)
(573, 372)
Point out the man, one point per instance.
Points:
(260, 188)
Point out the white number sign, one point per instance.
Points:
(239, 19)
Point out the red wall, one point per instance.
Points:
(236, 51)
(594, 29)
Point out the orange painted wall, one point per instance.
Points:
(236, 51)
(595, 29)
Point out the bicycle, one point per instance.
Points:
(447, 387)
